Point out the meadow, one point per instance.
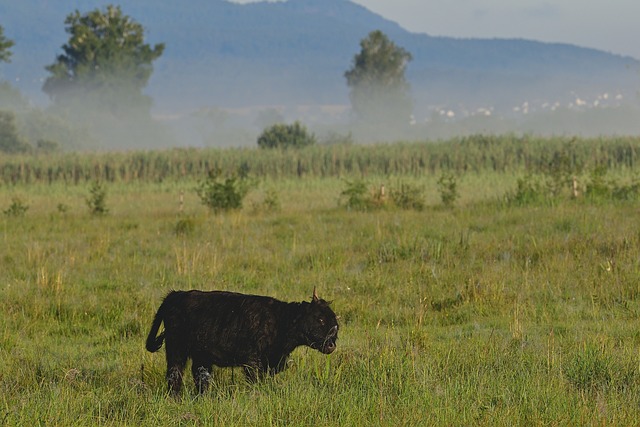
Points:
(518, 304)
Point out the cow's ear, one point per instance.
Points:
(315, 295)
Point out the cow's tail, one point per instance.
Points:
(154, 341)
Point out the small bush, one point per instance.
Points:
(281, 135)
(223, 194)
(97, 200)
(271, 201)
(448, 188)
(17, 208)
(408, 196)
(10, 141)
(529, 190)
(356, 195)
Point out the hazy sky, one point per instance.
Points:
(610, 25)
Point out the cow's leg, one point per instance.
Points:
(176, 361)
(201, 371)
(174, 378)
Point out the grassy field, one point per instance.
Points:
(482, 314)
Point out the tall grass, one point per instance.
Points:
(477, 153)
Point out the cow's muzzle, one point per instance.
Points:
(329, 344)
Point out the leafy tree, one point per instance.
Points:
(99, 78)
(10, 140)
(106, 54)
(379, 92)
(281, 135)
(97, 201)
(5, 45)
(10, 97)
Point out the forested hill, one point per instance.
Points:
(295, 52)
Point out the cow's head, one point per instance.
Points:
(319, 325)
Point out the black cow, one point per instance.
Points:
(231, 329)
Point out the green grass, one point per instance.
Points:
(482, 314)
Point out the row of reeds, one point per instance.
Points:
(466, 154)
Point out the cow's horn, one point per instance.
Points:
(315, 294)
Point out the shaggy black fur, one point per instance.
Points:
(232, 329)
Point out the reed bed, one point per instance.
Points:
(476, 153)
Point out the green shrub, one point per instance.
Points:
(529, 190)
(281, 135)
(97, 200)
(10, 141)
(448, 188)
(356, 196)
(17, 208)
(408, 196)
(223, 194)
(271, 201)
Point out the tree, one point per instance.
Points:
(286, 136)
(99, 78)
(105, 55)
(10, 97)
(379, 92)
(5, 45)
(10, 140)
